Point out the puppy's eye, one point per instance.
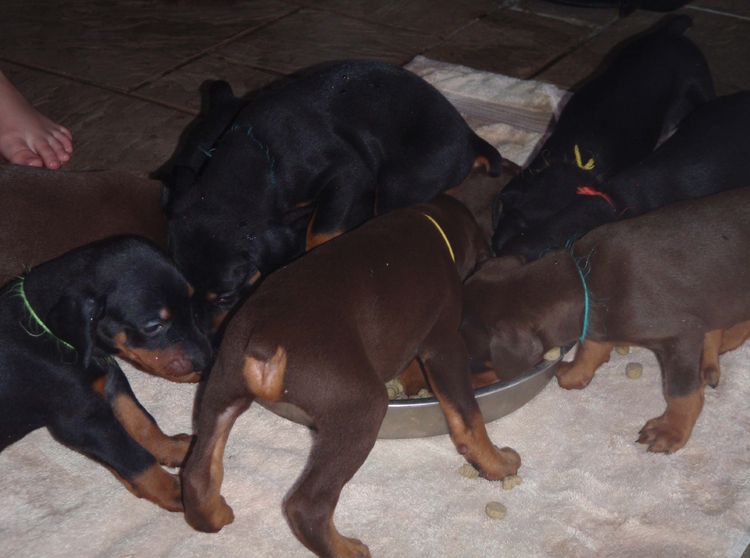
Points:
(226, 299)
(153, 328)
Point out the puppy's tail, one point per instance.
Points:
(265, 376)
(487, 156)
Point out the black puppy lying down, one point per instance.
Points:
(661, 281)
(610, 123)
(259, 182)
(707, 154)
(61, 323)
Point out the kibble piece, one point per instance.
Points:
(552, 355)
(624, 350)
(633, 370)
(468, 471)
(512, 481)
(495, 510)
(423, 393)
(395, 389)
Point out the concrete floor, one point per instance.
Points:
(124, 76)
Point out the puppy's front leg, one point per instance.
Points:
(589, 357)
(446, 364)
(90, 427)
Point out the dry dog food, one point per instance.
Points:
(633, 370)
(395, 390)
(553, 354)
(624, 350)
(512, 481)
(495, 510)
(467, 470)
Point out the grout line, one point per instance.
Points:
(103, 87)
(718, 12)
(209, 50)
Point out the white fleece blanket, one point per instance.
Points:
(588, 489)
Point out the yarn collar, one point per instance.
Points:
(442, 233)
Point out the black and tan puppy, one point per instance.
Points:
(707, 154)
(661, 281)
(258, 182)
(613, 121)
(60, 325)
(324, 334)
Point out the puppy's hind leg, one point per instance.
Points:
(683, 390)
(225, 398)
(446, 364)
(345, 434)
(710, 369)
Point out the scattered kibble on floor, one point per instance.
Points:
(467, 470)
(634, 370)
(511, 482)
(495, 510)
(624, 350)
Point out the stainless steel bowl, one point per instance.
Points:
(418, 418)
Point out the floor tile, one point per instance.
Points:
(735, 7)
(510, 42)
(121, 44)
(595, 17)
(311, 36)
(439, 17)
(581, 63)
(725, 41)
(180, 87)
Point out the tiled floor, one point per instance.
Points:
(124, 75)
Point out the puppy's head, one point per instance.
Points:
(130, 301)
(531, 198)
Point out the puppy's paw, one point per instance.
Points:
(661, 436)
(572, 377)
(174, 450)
(504, 463)
(711, 376)
(210, 519)
(345, 547)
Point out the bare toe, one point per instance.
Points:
(47, 154)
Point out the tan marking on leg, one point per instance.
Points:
(100, 384)
(345, 547)
(205, 508)
(735, 336)
(589, 357)
(472, 442)
(710, 369)
(671, 431)
(168, 450)
(156, 485)
(265, 379)
(484, 378)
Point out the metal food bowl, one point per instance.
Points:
(418, 418)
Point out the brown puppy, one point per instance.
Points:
(44, 213)
(324, 334)
(661, 281)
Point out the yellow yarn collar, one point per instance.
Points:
(588, 165)
(442, 233)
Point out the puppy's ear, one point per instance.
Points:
(514, 349)
(74, 319)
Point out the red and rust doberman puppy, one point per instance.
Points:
(661, 281)
(324, 334)
(60, 325)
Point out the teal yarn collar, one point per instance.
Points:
(583, 266)
(34, 317)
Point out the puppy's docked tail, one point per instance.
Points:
(487, 156)
(265, 376)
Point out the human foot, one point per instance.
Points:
(26, 136)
